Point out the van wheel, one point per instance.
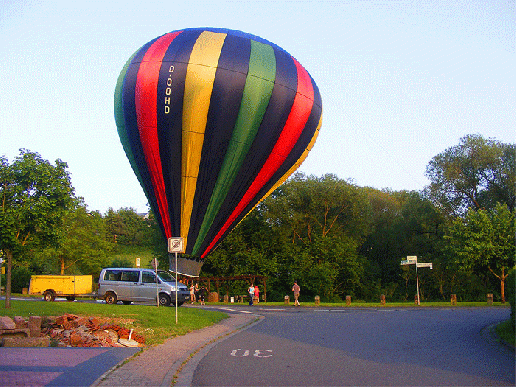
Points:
(164, 299)
(110, 298)
(49, 295)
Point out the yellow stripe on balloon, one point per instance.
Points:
(200, 76)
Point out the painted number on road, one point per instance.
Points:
(247, 352)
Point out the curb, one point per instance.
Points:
(171, 357)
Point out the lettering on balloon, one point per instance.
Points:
(168, 90)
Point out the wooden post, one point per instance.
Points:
(317, 300)
(287, 300)
(454, 299)
(490, 299)
(348, 300)
(382, 299)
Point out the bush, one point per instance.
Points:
(20, 279)
(510, 285)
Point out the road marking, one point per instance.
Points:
(261, 353)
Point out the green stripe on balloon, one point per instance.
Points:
(257, 93)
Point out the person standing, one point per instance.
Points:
(192, 293)
(296, 289)
(256, 294)
(202, 295)
(250, 290)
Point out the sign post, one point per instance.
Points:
(412, 260)
(176, 245)
(155, 264)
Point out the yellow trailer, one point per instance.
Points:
(69, 286)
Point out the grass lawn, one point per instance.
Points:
(506, 332)
(156, 324)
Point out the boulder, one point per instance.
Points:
(7, 323)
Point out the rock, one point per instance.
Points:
(35, 326)
(76, 339)
(7, 323)
(26, 342)
(20, 322)
(129, 342)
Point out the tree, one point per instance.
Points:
(404, 223)
(319, 224)
(477, 173)
(34, 196)
(484, 240)
(129, 228)
(82, 246)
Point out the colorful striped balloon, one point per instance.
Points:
(212, 121)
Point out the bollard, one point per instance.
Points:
(490, 299)
(287, 300)
(454, 299)
(232, 299)
(348, 300)
(415, 300)
(382, 299)
(213, 297)
(226, 298)
(317, 300)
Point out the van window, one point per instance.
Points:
(148, 277)
(130, 276)
(112, 275)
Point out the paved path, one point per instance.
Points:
(157, 366)
(58, 366)
(154, 366)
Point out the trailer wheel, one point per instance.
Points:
(164, 299)
(111, 298)
(49, 295)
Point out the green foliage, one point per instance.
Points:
(477, 173)
(34, 197)
(82, 246)
(484, 240)
(127, 228)
(20, 278)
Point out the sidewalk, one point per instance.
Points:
(158, 365)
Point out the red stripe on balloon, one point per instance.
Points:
(296, 121)
(146, 99)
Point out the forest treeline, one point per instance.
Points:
(332, 236)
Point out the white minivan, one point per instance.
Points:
(140, 285)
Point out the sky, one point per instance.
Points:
(400, 81)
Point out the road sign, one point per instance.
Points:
(429, 264)
(175, 245)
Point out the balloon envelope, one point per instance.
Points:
(212, 121)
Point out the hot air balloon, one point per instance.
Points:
(212, 121)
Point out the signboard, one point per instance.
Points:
(175, 245)
(429, 264)
(411, 259)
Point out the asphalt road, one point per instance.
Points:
(362, 347)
